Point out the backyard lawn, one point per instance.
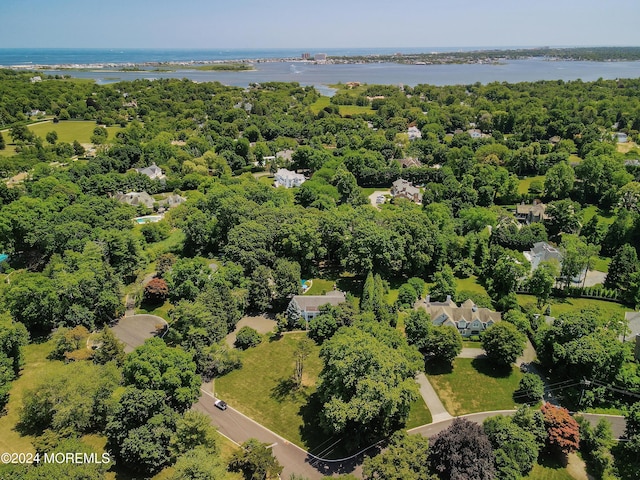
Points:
(470, 284)
(68, 131)
(564, 305)
(525, 183)
(492, 388)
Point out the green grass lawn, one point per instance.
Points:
(470, 284)
(173, 243)
(492, 388)
(592, 210)
(343, 109)
(601, 264)
(155, 309)
(525, 183)
(261, 388)
(68, 131)
(419, 414)
(9, 150)
(36, 367)
(565, 305)
(266, 179)
(320, 286)
(548, 467)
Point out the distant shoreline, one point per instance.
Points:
(496, 56)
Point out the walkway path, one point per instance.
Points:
(468, 352)
(438, 412)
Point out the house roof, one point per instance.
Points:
(135, 198)
(152, 171)
(314, 302)
(536, 209)
(403, 186)
(441, 312)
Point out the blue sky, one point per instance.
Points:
(326, 23)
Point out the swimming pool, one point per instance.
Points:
(148, 219)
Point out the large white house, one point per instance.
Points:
(288, 179)
(543, 252)
(153, 171)
(468, 318)
(308, 306)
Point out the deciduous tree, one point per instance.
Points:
(503, 343)
(462, 452)
(563, 432)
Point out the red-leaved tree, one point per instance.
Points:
(563, 432)
(156, 290)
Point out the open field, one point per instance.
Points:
(36, 367)
(601, 264)
(68, 131)
(627, 147)
(273, 402)
(262, 389)
(492, 387)
(419, 414)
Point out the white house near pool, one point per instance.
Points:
(308, 306)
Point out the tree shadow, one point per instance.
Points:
(286, 387)
(553, 459)
(491, 369)
(437, 367)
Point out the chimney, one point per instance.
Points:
(448, 299)
(427, 300)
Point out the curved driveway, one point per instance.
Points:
(133, 330)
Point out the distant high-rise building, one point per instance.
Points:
(306, 56)
(320, 57)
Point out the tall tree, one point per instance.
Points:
(140, 431)
(503, 343)
(155, 366)
(623, 265)
(515, 449)
(255, 461)
(404, 459)
(462, 452)
(367, 386)
(563, 432)
(300, 354)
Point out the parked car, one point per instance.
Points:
(221, 404)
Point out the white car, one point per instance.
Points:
(221, 404)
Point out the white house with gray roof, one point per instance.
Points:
(288, 179)
(467, 317)
(308, 306)
(153, 171)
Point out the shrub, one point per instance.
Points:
(247, 337)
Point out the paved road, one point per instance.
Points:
(239, 428)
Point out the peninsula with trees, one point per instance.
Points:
(439, 276)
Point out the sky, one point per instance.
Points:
(213, 24)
